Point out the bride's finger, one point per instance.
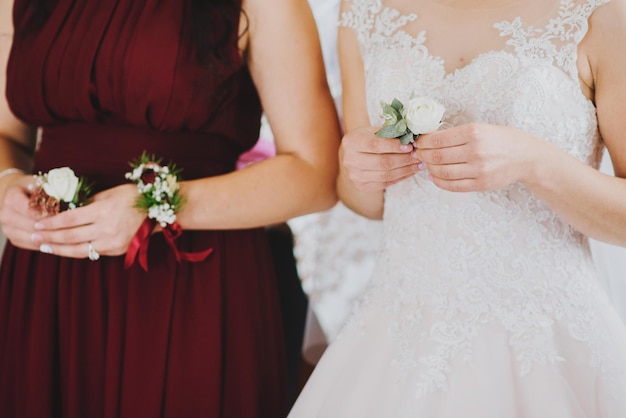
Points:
(380, 162)
(364, 141)
(449, 155)
(452, 137)
(384, 176)
(451, 171)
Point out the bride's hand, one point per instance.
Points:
(109, 223)
(476, 157)
(16, 217)
(374, 163)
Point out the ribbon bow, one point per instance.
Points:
(138, 248)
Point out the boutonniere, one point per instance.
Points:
(421, 115)
(58, 190)
(160, 199)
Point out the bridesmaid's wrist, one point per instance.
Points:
(11, 170)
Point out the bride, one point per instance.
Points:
(484, 302)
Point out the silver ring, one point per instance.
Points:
(93, 254)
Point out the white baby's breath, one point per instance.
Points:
(158, 190)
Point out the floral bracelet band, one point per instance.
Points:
(160, 198)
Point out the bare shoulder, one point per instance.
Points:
(263, 12)
(604, 44)
(6, 25)
(603, 47)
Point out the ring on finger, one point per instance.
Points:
(91, 252)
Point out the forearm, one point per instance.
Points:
(369, 204)
(263, 193)
(592, 202)
(12, 155)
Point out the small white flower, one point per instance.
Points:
(136, 174)
(61, 184)
(423, 115)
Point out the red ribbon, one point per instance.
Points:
(138, 247)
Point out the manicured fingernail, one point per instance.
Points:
(414, 155)
(421, 166)
(38, 226)
(430, 177)
(36, 237)
(406, 147)
(45, 248)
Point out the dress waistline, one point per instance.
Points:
(102, 153)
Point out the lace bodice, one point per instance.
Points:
(454, 263)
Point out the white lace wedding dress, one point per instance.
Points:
(482, 305)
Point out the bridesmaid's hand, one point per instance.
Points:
(109, 223)
(16, 217)
(477, 157)
(374, 163)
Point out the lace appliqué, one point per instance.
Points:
(567, 30)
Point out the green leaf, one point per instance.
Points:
(387, 132)
(400, 127)
(397, 105)
(407, 139)
(392, 111)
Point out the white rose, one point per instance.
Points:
(61, 183)
(423, 115)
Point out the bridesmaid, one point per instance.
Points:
(85, 329)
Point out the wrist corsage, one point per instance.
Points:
(58, 190)
(421, 115)
(159, 191)
(160, 199)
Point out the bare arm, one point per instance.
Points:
(285, 61)
(17, 140)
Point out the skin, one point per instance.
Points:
(299, 180)
(482, 157)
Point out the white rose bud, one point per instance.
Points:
(172, 183)
(61, 183)
(423, 115)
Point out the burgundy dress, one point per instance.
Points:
(107, 80)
